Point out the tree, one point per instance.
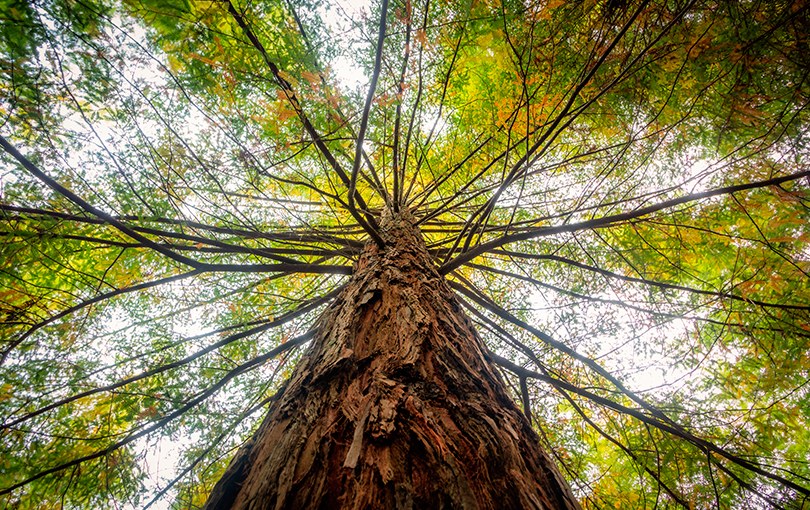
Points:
(543, 244)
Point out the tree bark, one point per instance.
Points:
(394, 406)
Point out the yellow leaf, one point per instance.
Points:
(5, 392)
(746, 287)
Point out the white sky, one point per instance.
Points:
(337, 18)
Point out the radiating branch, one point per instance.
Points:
(244, 367)
(283, 319)
(614, 219)
(39, 174)
(369, 223)
(361, 135)
(670, 429)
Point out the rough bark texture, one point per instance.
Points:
(394, 407)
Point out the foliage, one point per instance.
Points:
(617, 189)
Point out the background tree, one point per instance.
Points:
(616, 191)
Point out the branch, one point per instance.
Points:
(277, 268)
(39, 174)
(216, 442)
(677, 432)
(92, 301)
(188, 359)
(371, 226)
(629, 279)
(625, 449)
(311, 235)
(494, 308)
(361, 136)
(612, 219)
(486, 210)
(162, 422)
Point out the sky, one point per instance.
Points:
(336, 16)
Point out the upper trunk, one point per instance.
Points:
(394, 406)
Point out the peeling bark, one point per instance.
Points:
(394, 407)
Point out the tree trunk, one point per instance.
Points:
(394, 407)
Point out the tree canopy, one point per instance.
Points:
(617, 190)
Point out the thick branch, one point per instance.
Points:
(188, 359)
(677, 432)
(244, 367)
(39, 174)
(612, 219)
